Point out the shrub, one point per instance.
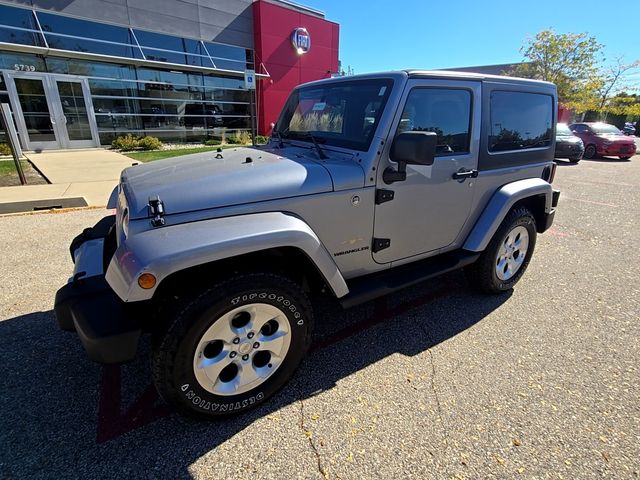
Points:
(240, 138)
(125, 143)
(4, 149)
(150, 143)
(212, 142)
(233, 139)
(262, 140)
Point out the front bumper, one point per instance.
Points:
(88, 305)
(617, 149)
(569, 150)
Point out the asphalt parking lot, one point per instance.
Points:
(435, 382)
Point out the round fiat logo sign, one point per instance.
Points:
(301, 40)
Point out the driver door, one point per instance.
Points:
(430, 208)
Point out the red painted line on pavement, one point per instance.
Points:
(381, 314)
(591, 202)
(555, 233)
(113, 422)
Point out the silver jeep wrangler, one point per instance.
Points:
(368, 184)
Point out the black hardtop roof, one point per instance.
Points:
(443, 75)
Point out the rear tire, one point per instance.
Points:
(507, 256)
(232, 346)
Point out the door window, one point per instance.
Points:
(74, 110)
(35, 109)
(446, 112)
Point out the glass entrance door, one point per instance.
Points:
(52, 111)
(39, 124)
(75, 116)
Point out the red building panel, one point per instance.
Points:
(273, 27)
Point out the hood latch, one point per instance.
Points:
(156, 210)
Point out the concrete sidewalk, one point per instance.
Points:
(90, 174)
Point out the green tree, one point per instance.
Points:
(570, 60)
(611, 87)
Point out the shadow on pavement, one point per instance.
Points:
(562, 162)
(607, 159)
(62, 413)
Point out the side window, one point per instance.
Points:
(520, 121)
(446, 112)
(580, 128)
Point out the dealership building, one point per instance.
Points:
(78, 73)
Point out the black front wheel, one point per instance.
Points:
(232, 346)
(590, 152)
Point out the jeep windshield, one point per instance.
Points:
(342, 114)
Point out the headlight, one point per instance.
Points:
(125, 223)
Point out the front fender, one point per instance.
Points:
(167, 250)
(500, 204)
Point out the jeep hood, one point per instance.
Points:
(202, 181)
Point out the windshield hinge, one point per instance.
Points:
(156, 210)
(380, 244)
(383, 195)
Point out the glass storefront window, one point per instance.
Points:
(90, 69)
(18, 25)
(65, 33)
(22, 62)
(174, 105)
(166, 48)
(227, 57)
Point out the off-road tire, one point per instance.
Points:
(174, 349)
(482, 273)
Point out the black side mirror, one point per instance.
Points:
(410, 148)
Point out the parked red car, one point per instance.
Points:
(602, 139)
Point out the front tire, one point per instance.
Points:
(625, 158)
(507, 256)
(590, 152)
(232, 346)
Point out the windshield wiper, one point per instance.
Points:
(309, 135)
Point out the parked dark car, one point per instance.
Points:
(629, 129)
(567, 144)
(602, 139)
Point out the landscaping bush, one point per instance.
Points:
(4, 149)
(126, 143)
(233, 139)
(150, 143)
(212, 142)
(262, 140)
(240, 138)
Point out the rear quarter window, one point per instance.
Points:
(520, 121)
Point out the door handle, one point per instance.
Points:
(462, 174)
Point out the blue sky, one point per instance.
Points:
(381, 35)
